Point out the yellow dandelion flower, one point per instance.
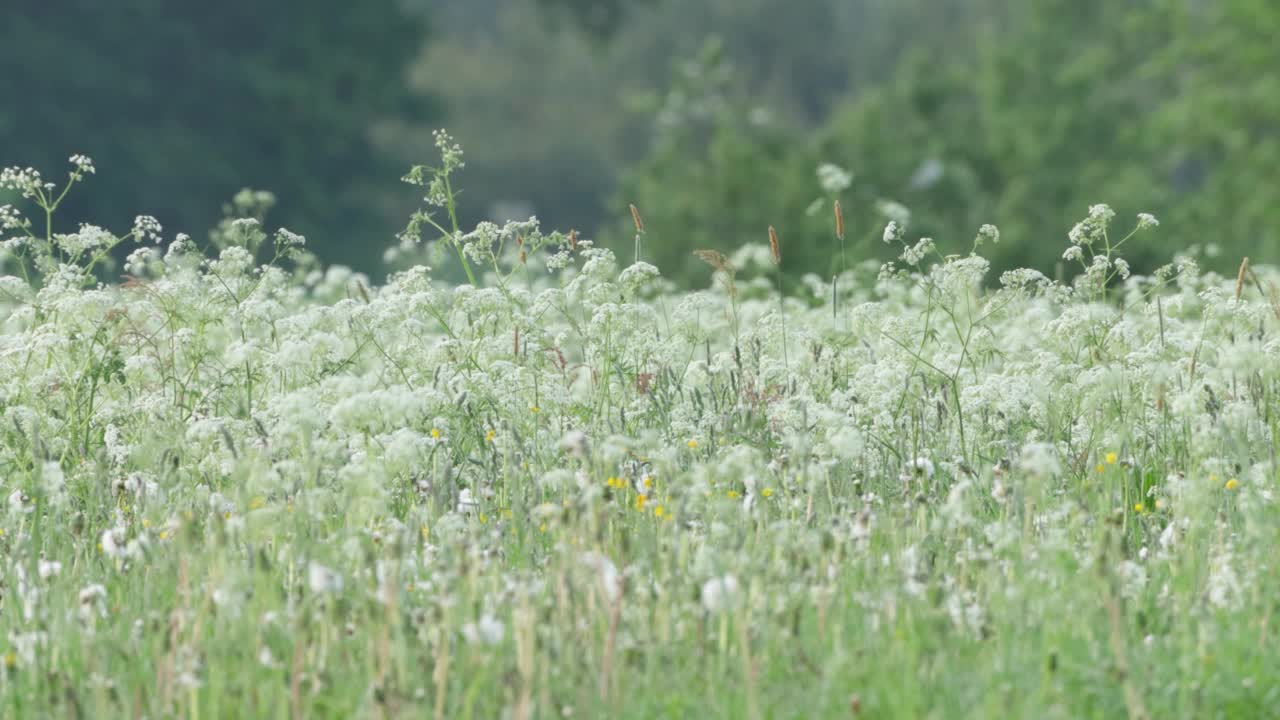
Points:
(1101, 468)
(1112, 458)
(767, 492)
(491, 435)
(692, 444)
(1232, 484)
(659, 511)
(535, 409)
(1139, 507)
(435, 433)
(648, 481)
(732, 494)
(164, 534)
(640, 501)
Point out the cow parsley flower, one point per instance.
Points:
(833, 178)
(83, 164)
(891, 232)
(987, 233)
(146, 227)
(322, 579)
(488, 630)
(719, 593)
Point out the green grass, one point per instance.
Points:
(280, 492)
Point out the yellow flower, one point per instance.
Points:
(435, 433)
(659, 511)
(256, 503)
(1111, 458)
(732, 494)
(640, 501)
(542, 528)
(648, 481)
(164, 534)
(767, 492)
(1139, 507)
(1232, 484)
(1101, 468)
(534, 409)
(692, 444)
(491, 435)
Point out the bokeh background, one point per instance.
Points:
(713, 116)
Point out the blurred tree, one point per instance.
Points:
(1161, 106)
(181, 105)
(727, 162)
(1220, 130)
(599, 18)
(551, 118)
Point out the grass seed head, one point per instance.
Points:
(635, 218)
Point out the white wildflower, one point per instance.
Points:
(322, 579)
(488, 630)
(891, 232)
(719, 593)
(466, 501)
(48, 568)
(146, 227)
(20, 502)
(83, 164)
(833, 178)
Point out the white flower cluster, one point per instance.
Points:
(146, 228)
(833, 178)
(356, 481)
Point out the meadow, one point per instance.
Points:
(239, 484)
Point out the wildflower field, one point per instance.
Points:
(237, 484)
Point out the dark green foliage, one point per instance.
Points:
(184, 104)
(600, 18)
